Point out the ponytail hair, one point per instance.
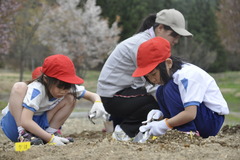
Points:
(147, 23)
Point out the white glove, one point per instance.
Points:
(97, 110)
(59, 141)
(154, 114)
(156, 128)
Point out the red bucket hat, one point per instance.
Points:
(37, 72)
(62, 68)
(150, 54)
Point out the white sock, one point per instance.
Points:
(20, 129)
(51, 130)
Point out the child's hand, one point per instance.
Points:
(155, 128)
(154, 114)
(97, 110)
(59, 141)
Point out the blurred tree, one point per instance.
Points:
(229, 24)
(195, 52)
(7, 9)
(131, 13)
(79, 33)
(201, 21)
(24, 29)
(228, 17)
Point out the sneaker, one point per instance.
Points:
(28, 137)
(60, 135)
(120, 135)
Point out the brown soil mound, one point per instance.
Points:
(91, 143)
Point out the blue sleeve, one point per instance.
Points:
(30, 108)
(83, 93)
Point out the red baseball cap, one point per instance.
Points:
(37, 72)
(62, 68)
(150, 54)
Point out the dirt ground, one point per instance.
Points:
(93, 144)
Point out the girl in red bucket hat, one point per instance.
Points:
(188, 97)
(35, 112)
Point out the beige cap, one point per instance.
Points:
(173, 19)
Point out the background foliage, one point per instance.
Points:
(78, 32)
(86, 30)
(205, 49)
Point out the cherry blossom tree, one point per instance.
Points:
(79, 33)
(7, 9)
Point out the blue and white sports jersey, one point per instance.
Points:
(37, 100)
(196, 86)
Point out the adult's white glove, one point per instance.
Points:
(97, 110)
(59, 141)
(156, 128)
(154, 114)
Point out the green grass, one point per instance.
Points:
(90, 81)
(232, 119)
(229, 83)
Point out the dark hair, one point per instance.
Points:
(173, 34)
(165, 77)
(147, 23)
(48, 82)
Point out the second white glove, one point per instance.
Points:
(156, 128)
(154, 114)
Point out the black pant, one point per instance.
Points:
(129, 107)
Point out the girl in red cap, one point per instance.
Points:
(188, 97)
(49, 100)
